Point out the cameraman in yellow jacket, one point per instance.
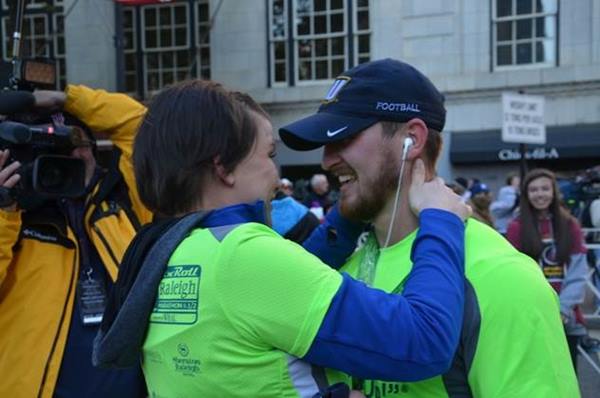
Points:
(54, 258)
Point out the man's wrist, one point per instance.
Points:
(60, 99)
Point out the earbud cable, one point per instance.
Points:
(397, 198)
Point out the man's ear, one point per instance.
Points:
(221, 173)
(417, 130)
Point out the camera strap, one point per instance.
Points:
(113, 187)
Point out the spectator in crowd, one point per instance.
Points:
(389, 116)
(504, 208)
(290, 218)
(286, 187)
(480, 200)
(595, 213)
(58, 260)
(456, 187)
(595, 222)
(301, 190)
(318, 200)
(463, 182)
(254, 303)
(466, 185)
(546, 231)
(585, 206)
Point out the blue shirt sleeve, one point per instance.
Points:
(335, 239)
(371, 334)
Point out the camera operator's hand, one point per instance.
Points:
(434, 194)
(50, 100)
(8, 178)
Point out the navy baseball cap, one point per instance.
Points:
(479, 187)
(381, 90)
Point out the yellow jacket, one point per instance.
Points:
(39, 256)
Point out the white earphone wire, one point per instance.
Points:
(408, 142)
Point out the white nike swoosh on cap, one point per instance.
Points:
(336, 132)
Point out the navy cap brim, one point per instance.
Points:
(322, 128)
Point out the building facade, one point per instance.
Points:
(285, 53)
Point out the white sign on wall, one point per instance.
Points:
(523, 119)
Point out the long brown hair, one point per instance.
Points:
(531, 240)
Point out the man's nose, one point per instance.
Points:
(330, 157)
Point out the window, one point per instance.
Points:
(524, 33)
(164, 44)
(313, 40)
(43, 34)
(129, 51)
(203, 39)
(59, 49)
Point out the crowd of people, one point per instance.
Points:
(545, 222)
(189, 268)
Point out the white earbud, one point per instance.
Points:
(408, 143)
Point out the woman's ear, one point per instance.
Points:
(222, 174)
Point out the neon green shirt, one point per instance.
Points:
(227, 316)
(512, 343)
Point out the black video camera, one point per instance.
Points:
(42, 147)
(47, 170)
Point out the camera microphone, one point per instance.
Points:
(18, 133)
(15, 133)
(57, 138)
(12, 102)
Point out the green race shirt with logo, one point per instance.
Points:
(512, 342)
(221, 308)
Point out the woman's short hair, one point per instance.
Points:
(187, 127)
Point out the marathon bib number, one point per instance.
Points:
(381, 389)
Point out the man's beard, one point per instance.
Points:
(372, 195)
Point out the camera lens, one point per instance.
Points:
(58, 176)
(52, 177)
